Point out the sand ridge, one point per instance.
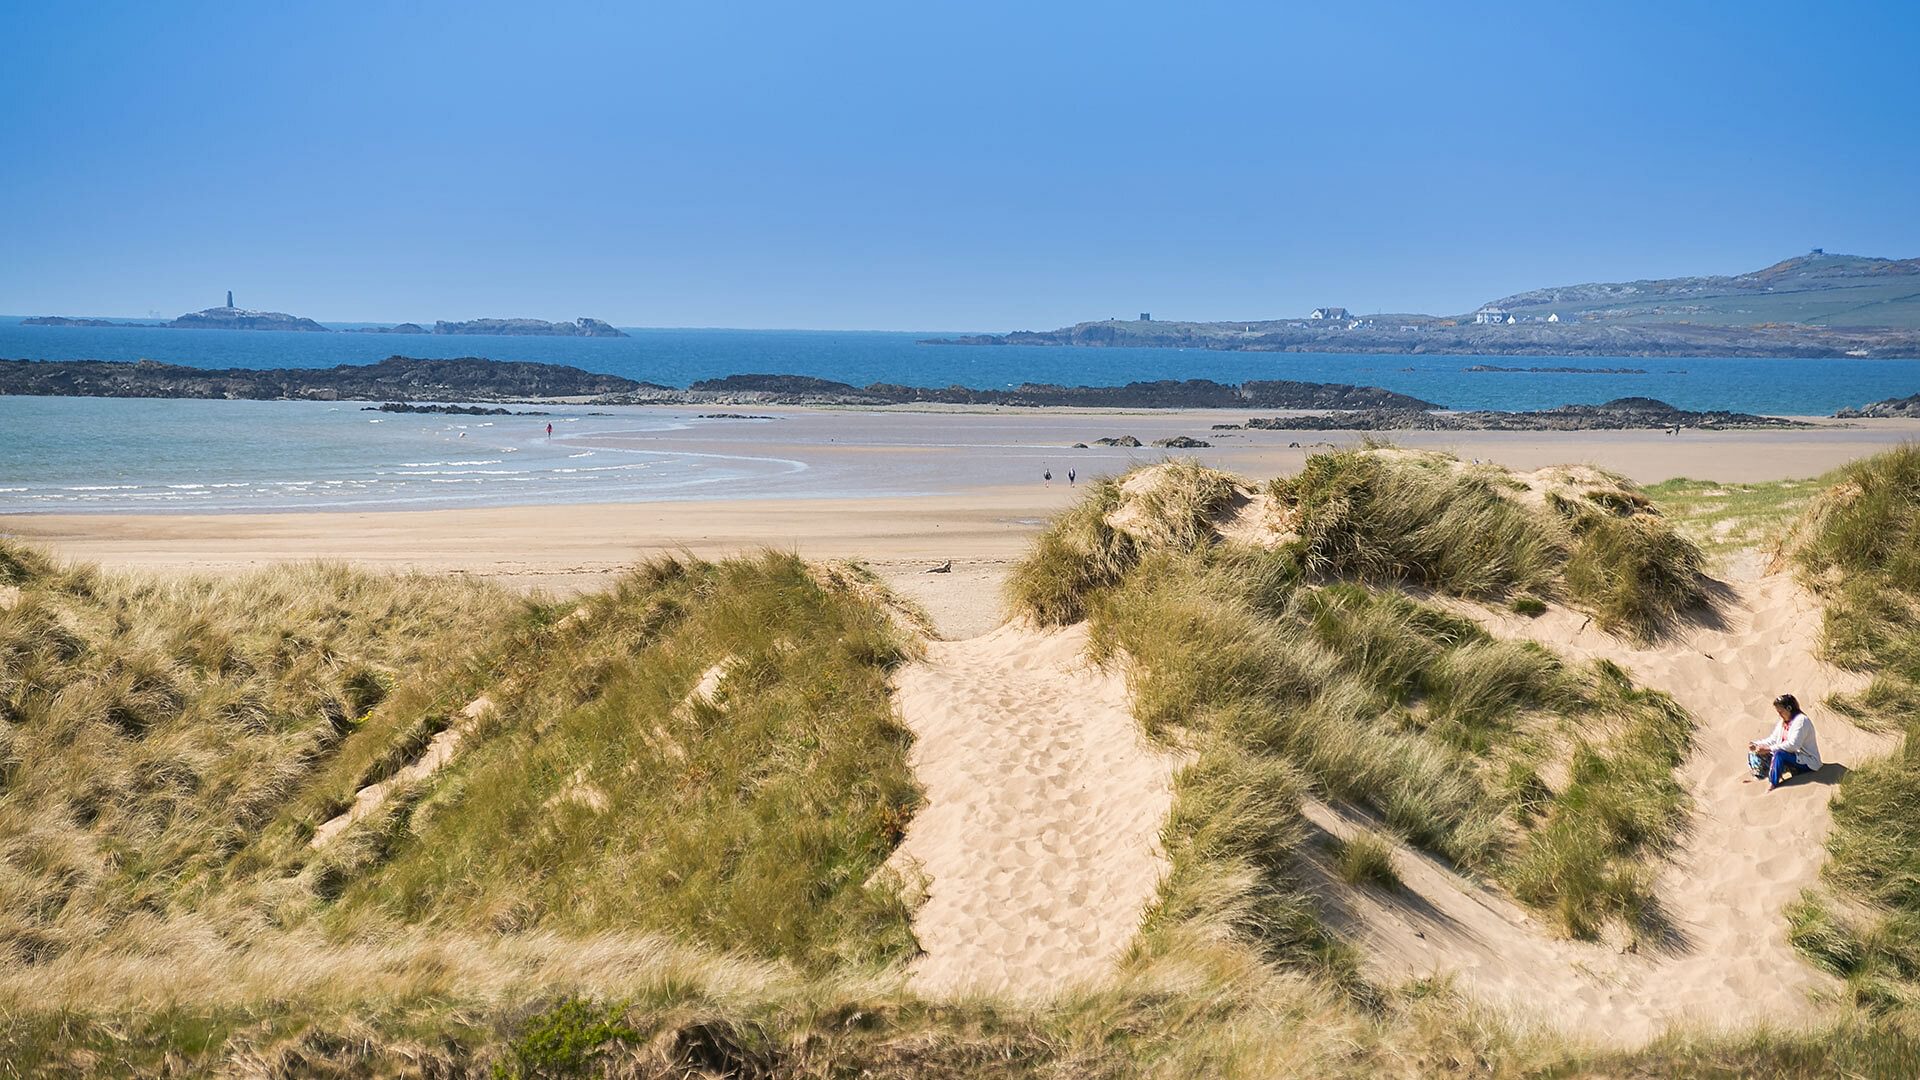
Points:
(440, 750)
(1039, 841)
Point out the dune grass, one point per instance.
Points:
(1366, 859)
(153, 727)
(751, 821)
(1390, 518)
(1722, 519)
(1416, 715)
(498, 922)
(1858, 545)
(1396, 706)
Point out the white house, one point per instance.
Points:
(1492, 317)
(1327, 313)
(1555, 317)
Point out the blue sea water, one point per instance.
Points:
(66, 454)
(677, 357)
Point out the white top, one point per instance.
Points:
(1797, 736)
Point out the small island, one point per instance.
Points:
(229, 317)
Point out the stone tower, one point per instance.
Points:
(229, 297)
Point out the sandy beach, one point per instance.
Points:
(983, 468)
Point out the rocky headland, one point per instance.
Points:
(1813, 305)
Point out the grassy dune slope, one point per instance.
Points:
(620, 876)
(1554, 779)
(1860, 546)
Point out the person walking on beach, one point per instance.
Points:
(1072, 477)
(549, 429)
(1048, 477)
(1791, 748)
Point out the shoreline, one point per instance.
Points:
(577, 545)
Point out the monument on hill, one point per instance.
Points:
(229, 297)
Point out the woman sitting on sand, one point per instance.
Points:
(1791, 747)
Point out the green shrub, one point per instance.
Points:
(1531, 606)
(563, 1040)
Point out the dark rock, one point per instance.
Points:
(1181, 442)
(1906, 406)
(396, 379)
(458, 410)
(1123, 440)
(1621, 414)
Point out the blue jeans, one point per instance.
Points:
(1782, 759)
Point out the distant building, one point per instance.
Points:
(1327, 313)
(229, 297)
(1492, 317)
(1555, 317)
(1146, 316)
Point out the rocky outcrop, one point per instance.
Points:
(762, 389)
(1906, 406)
(1634, 413)
(582, 327)
(396, 379)
(1182, 442)
(1118, 440)
(454, 410)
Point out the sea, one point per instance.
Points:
(102, 454)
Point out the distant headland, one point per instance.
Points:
(1813, 305)
(229, 317)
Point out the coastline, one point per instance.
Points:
(980, 523)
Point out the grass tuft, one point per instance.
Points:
(1366, 859)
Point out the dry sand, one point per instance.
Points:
(1039, 841)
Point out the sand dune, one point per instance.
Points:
(1039, 842)
(1747, 854)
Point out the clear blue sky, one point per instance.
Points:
(933, 166)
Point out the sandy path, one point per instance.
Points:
(1039, 842)
(1747, 855)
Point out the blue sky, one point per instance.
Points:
(933, 166)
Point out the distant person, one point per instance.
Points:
(1072, 477)
(1791, 747)
(1047, 476)
(549, 429)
